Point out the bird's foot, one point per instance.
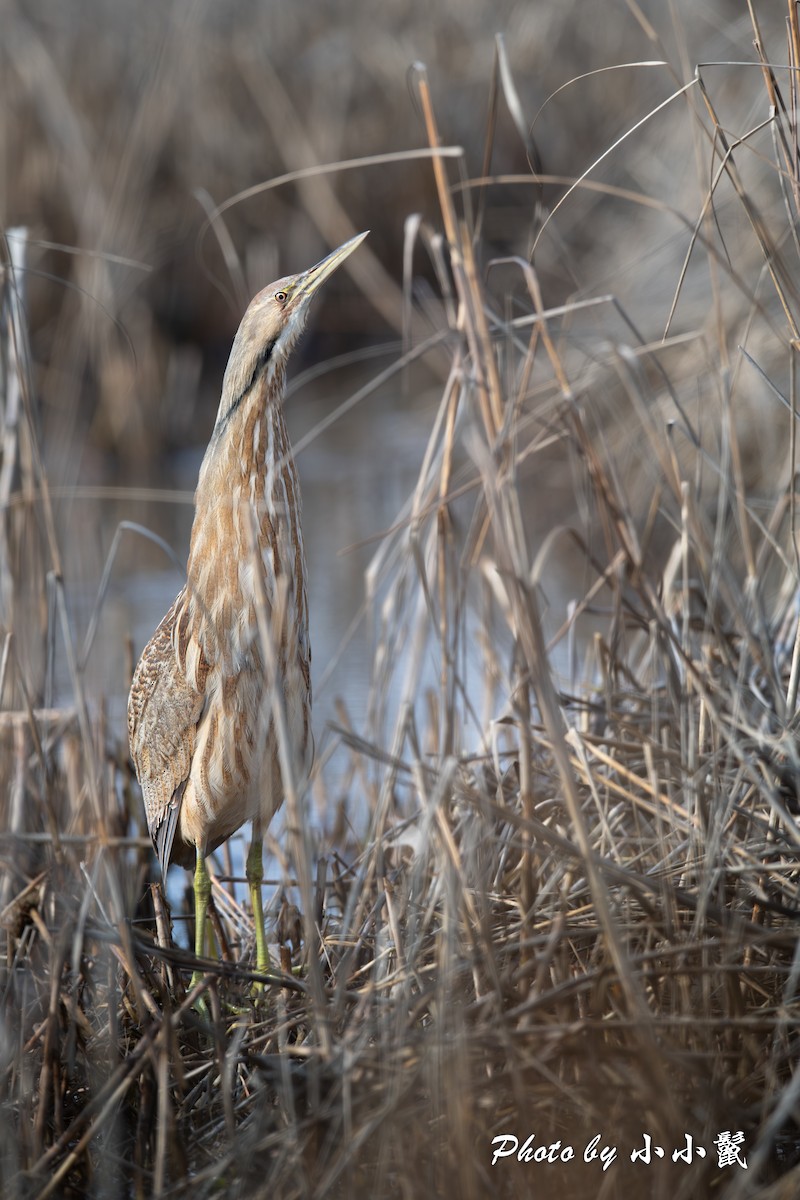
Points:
(212, 1008)
(259, 990)
(200, 1003)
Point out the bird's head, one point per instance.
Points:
(274, 320)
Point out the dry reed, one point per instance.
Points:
(575, 916)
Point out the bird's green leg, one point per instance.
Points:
(254, 870)
(202, 898)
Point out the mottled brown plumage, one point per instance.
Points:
(201, 712)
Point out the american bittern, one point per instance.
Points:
(201, 713)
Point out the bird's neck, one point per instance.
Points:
(246, 531)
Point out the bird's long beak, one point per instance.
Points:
(310, 280)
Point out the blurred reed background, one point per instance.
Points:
(523, 893)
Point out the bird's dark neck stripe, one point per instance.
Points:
(258, 367)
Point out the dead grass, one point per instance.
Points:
(573, 909)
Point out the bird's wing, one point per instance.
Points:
(164, 708)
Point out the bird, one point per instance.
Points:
(220, 701)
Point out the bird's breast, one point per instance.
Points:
(248, 612)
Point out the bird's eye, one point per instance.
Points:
(281, 297)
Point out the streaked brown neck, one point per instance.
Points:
(247, 514)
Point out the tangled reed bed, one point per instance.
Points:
(580, 924)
